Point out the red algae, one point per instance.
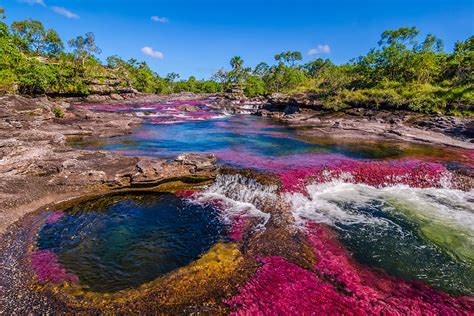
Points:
(413, 173)
(283, 288)
(47, 268)
(54, 217)
(238, 228)
(327, 167)
(337, 286)
(163, 113)
(185, 193)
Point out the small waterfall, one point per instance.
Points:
(240, 196)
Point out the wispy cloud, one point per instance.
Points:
(65, 12)
(40, 2)
(320, 49)
(160, 19)
(152, 53)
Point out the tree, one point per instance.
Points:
(289, 57)
(53, 45)
(236, 62)
(84, 47)
(10, 59)
(427, 59)
(34, 77)
(261, 70)
(2, 13)
(399, 38)
(254, 86)
(237, 75)
(32, 37)
(220, 76)
(172, 76)
(313, 68)
(460, 64)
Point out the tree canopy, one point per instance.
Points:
(402, 71)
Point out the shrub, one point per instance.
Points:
(58, 112)
(34, 77)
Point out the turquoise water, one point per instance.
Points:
(253, 136)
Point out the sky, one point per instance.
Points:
(199, 37)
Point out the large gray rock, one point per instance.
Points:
(198, 161)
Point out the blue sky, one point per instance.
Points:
(198, 37)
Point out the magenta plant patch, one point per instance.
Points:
(337, 286)
(47, 268)
(54, 217)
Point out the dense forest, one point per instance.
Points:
(403, 71)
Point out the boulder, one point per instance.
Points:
(199, 162)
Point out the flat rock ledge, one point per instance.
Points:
(38, 168)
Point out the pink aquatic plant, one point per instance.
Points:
(337, 286)
(238, 228)
(163, 113)
(184, 193)
(47, 268)
(283, 288)
(54, 217)
(375, 291)
(413, 173)
(317, 167)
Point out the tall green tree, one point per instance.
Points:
(460, 64)
(236, 62)
(84, 46)
(236, 77)
(31, 37)
(289, 58)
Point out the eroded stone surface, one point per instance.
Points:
(38, 167)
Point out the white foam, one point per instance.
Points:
(336, 202)
(240, 196)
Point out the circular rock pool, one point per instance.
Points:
(115, 242)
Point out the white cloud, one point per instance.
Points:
(320, 49)
(152, 53)
(65, 12)
(160, 19)
(40, 2)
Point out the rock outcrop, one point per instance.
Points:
(38, 167)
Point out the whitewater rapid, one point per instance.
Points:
(238, 197)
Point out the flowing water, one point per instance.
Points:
(393, 205)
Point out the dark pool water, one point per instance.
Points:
(114, 243)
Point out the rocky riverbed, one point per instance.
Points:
(273, 239)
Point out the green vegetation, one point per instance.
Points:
(402, 72)
(33, 61)
(58, 112)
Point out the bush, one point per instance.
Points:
(58, 112)
(254, 86)
(34, 77)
